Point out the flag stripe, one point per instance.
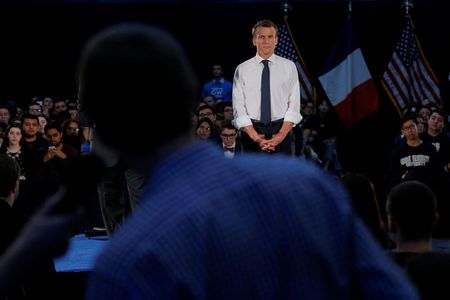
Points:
(337, 91)
(306, 85)
(400, 89)
(287, 48)
(341, 50)
(361, 102)
(408, 78)
(432, 90)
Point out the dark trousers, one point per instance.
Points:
(285, 147)
(118, 186)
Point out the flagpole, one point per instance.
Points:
(286, 8)
(406, 5)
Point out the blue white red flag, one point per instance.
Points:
(347, 81)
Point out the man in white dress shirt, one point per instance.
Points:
(274, 136)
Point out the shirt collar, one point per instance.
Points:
(220, 80)
(260, 59)
(232, 146)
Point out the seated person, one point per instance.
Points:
(412, 215)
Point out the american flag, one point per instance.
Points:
(288, 49)
(409, 78)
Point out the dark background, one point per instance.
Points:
(41, 41)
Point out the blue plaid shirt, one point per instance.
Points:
(255, 227)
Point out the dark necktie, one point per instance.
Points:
(265, 94)
(231, 149)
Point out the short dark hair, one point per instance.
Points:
(9, 174)
(264, 23)
(127, 66)
(28, 116)
(408, 117)
(413, 206)
(52, 125)
(227, 124)
(440, 112)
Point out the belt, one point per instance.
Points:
(271, 124)
(268, 129)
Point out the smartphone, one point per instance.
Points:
(51, 148)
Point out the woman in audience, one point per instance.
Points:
(205, 129)
(72, 135)
(11, 146)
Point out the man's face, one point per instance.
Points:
(209, 100)
(35, 109)
(207, 113)
(308, 109)
(228, 136)
(217, 71)
(228, 113)
(409, 130)
(30, 127)
(4, 115)
(265, 41)
(436, 122)
(54, 137)
(59, 107)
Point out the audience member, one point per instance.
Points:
(33, 141)
(229, 136)
(13, 148)
(38, 281)
(365, 202)
(72, 134)
(436, 136)
(59, 113)
(415, 159)
(411, 209)
(218, 87)
(58, 156)
(35, 109)
(227, 111)
(47, 107)
(5, 115)
(3, 127)
(205, 129)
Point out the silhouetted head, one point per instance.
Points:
(412, 206)
(133, 73)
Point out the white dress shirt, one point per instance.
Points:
(284, 91)
(229, 154)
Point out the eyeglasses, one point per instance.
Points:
(35, 109)
(410, 128)
(205, 128)
(228, 135)
(73, 129)
(204, 115)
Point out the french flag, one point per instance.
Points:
(347, 81)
